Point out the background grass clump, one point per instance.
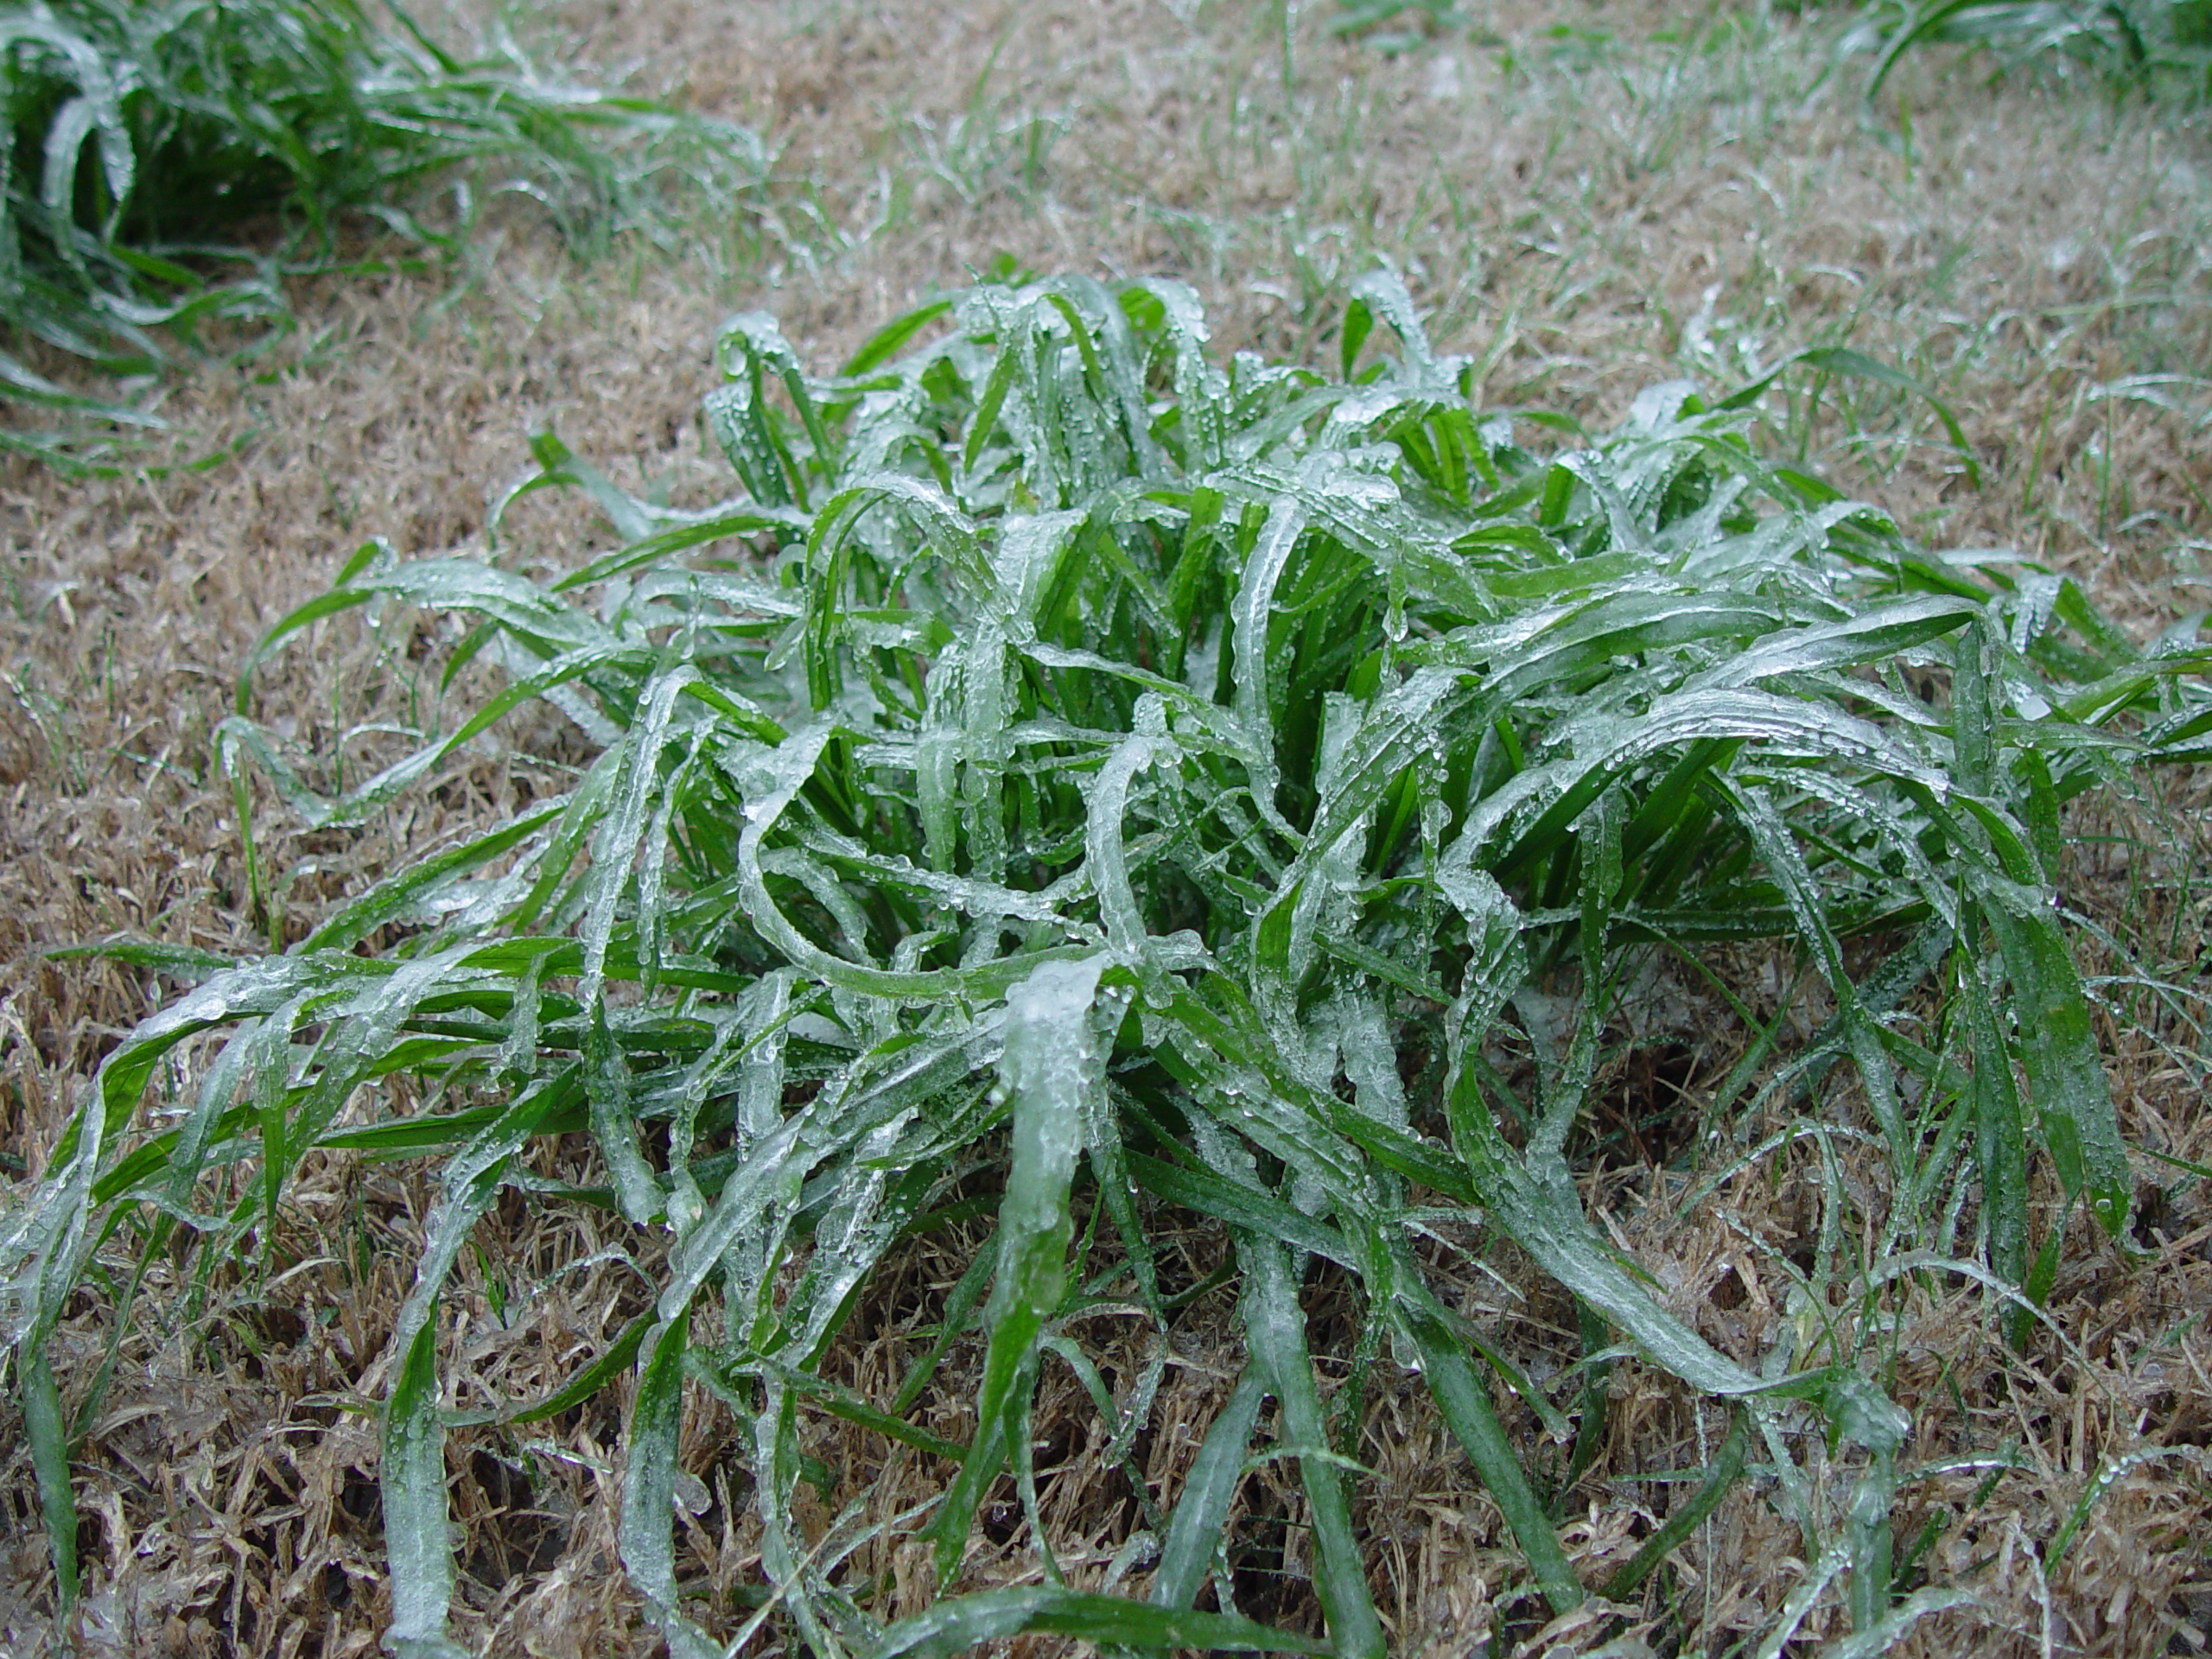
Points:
(1077, 780)
(2153, 45)
(2150, 46)
(163, 166)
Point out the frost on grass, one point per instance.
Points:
(1077, 779)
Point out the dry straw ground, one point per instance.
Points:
(1598, 197)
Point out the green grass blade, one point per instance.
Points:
(844, 1403)
(595, 1377)
(2109, 1476)
(1689, 1516)
(1193, 1539)
(1891, 1628)
(48, 1435)
(1464, 1401)
(2001, 1139)
(417, 1535)
(967, 1294)
(776, 1473)
(1274, 1325)
(647, 1529)
(961, 1624)
(2066, 1076)
(1779, 851)
(1538, 1207)
(413, 1479)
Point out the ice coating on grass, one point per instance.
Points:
(1313, 721)
(1052, 1052)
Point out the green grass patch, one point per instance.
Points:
(150, 148)
(2149, 44)
(1231, 789)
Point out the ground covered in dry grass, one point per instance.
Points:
(1588, 198)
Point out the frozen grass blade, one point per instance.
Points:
(417, 1534)
(1051, 1063)
(648, 1488)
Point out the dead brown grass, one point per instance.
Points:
(1596, 218)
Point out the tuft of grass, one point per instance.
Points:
(1365, 18)
(1077, 771)
(2143, 41)
(144, 142)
